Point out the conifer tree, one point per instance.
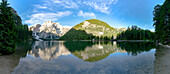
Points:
(161, 22)
(7, 29)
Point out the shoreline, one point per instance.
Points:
(164, 45)
(104, 40)
(135, 41)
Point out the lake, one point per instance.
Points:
(86, 57)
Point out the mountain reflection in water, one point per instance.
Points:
(48, 50)
(89, 57)
(86, 50)
(92, 51)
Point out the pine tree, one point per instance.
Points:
(7, 29)
(162, 23)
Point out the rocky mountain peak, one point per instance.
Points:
(49, 29)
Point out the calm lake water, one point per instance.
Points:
(85, 57)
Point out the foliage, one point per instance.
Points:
(11, 29)
(8, 32)
(162, 23)
(23, 33)
(135, 33)
(74, 34)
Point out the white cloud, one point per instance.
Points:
(40, 6)
(66, 3)
(101, 5)
(40, 18)
(86, 14)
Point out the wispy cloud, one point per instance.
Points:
(40, 6)
(65, 3)
(101, 5)
(40, 18)
(86, 14)
(45, 11)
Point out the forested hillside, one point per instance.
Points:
(91, 29)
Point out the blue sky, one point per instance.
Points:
(117, 13)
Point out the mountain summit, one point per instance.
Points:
(90, 29)
(49, 29)
(96, 27)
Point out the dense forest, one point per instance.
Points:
(161, 22)
(135, 33)
(77, 35)
(74, 34)
(11, 29)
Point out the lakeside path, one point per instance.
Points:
(162, 60)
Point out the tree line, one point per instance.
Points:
(136, 33)
(11, 29)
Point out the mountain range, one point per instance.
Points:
(83, 31)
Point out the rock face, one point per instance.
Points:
(16, 17)
(49, 30)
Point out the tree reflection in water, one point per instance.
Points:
(85, 57)
(134, 48)
(9, 62)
